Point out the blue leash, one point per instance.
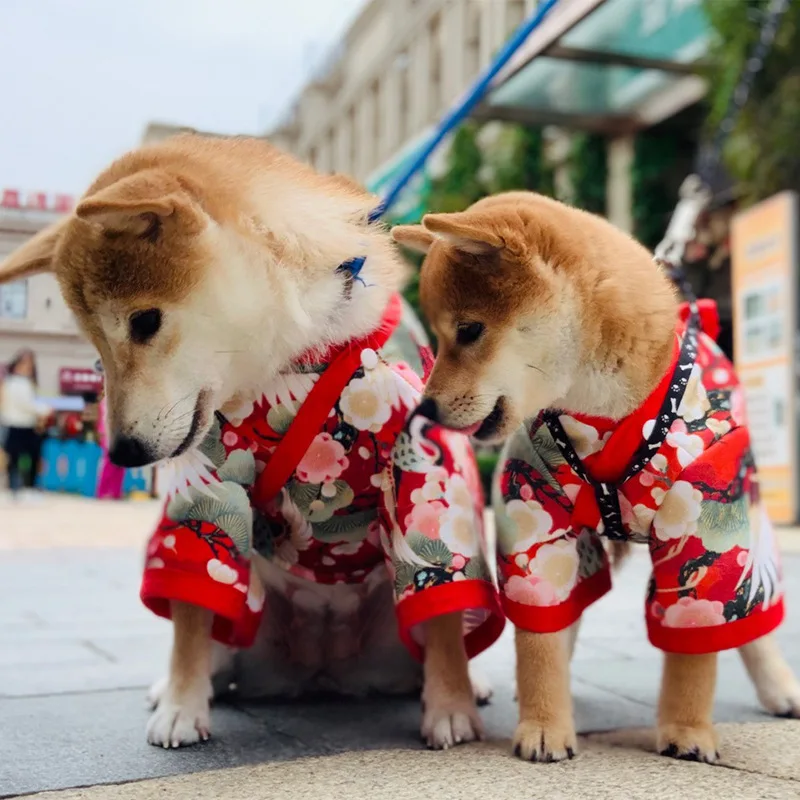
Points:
(451, 120)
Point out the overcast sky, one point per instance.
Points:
(82, 78)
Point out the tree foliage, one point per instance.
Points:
(762, 152)
(588, 171)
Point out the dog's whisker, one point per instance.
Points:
(538, 369)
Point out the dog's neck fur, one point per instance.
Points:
(625, 343)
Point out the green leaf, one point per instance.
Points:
(306, 494)
(240, 467)
(477, 568)
(212, 446)
(341, 527)
(279, 418)
(723, 526)
(404, 575)
(434, 551)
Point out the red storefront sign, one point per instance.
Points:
(41, 201)
(79, 380)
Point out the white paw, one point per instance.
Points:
(782, 699)
(180, 722)
(156, 692)
(481, 688)
(448, 724)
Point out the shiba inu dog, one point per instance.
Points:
(251, 334)
(634, 430)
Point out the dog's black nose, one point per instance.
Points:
(128, 451)
(428, 409)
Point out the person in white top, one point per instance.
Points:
(20, 414)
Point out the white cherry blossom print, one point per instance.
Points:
(585, 439)
(365, 406)
(695, 403)
(557, 563)
(528, 524)
(678, 510)
(459, 526)
(688, 446)
(222, 573)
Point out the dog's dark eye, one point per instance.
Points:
(144, 325)
(469, 332)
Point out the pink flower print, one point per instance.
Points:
(530, 591)
(324, 461)
(459, 562)
(424, 518)
(526, 492)
(229, 439)
(691, 613)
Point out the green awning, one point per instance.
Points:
(612, 65)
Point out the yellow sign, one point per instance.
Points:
(764, 272)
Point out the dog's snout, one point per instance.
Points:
(128, 451)
(428, 409)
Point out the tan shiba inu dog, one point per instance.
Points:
(200, 268)
(537, 307)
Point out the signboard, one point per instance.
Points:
(765, 275)
(41, 201)
(79, 380)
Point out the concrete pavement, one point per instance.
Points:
(77, 651)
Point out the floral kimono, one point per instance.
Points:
(360, 488)
(678, 475)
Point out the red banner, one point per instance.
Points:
(78, 380)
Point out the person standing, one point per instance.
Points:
(20, 414)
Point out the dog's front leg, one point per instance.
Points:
(449, 712)
(182, 716)
(685, 727)
(546, 730)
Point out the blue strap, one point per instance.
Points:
(452, 120)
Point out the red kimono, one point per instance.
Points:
(323, 475)
(678, 474)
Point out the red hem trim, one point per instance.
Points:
(551, 619)
(447, 599)
(715, 638)
(161, 587)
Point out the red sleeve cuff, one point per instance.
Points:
(469, 595)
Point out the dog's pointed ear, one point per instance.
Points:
(35, 256)
(137, 205)
(464, 231)
(414, 237)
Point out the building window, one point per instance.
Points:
(14, 300)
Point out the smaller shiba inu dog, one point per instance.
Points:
(634, 431)
(252, 336)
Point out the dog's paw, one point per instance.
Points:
(178, 722)
(481, 688)
(781, 698)
(536, 742)
(156, 692)
(688, 743)
(450, 723)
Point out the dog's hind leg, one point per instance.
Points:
(777, 688)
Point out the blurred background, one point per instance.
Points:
(608, 105)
